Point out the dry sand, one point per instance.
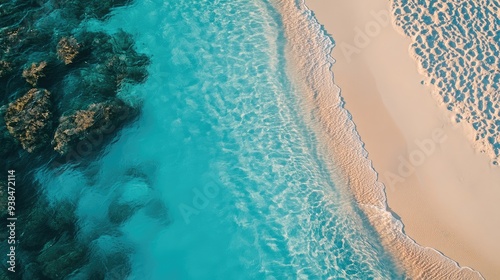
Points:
(449, 198)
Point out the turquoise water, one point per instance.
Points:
(219, 178)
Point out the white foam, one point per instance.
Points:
(309, 48)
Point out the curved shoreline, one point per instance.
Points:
(333, 124)
(448, 203)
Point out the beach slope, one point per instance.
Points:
(445, 193)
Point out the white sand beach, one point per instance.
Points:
(446, 194)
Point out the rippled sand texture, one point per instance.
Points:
(456, 44)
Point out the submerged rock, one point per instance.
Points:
(87, 9)
(30, 269)
(67, 49)
(81, 73)
(34, 233)
(28, 119)
(120, 212)
(114, 56)
(9, 144)
(105, 63)
(34, 72)
(38, 230)
(63, 217)
(3, 275)
(60, 258)
(3, 199)
(101, 119)
(5, 68)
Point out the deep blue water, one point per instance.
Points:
(220, 174)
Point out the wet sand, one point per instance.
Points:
(446, 194)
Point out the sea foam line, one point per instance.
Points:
(309, 50)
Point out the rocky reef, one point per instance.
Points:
(87, 9)
(59, 85)
(8, 142)
(34, 72)
(4, 68)
(98, 119)
(53, 252)
(28, 119)
(67, 49)
(104, 63)
(61, 258)
(81, 71)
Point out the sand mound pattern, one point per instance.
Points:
(456, 45)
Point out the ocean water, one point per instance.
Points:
(220, 177)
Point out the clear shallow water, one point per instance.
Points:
(219, 178)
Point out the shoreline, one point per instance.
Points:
(440, 188)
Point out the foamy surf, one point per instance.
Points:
(309, 48)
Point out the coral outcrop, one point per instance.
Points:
(4, 68)
(34, 72)
(54, 252)
(59, 84)
(9, 144)
(61, 258)
(67, 49)
(110, 62)
(98, 119)
(79, 68)
(118, 58)
(29, 119)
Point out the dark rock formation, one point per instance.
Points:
(3, 200)
(64, 82)
(8, 143)
(35, 219)
(47, 240)
(4, 68)
(34, 72)
(3, 275)
(62, 218)
(120, 212)
(28, 119)
(117, 266)
(101, 119)
(87, 9)
(67, 49)
(59, 258)
(116, 56)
